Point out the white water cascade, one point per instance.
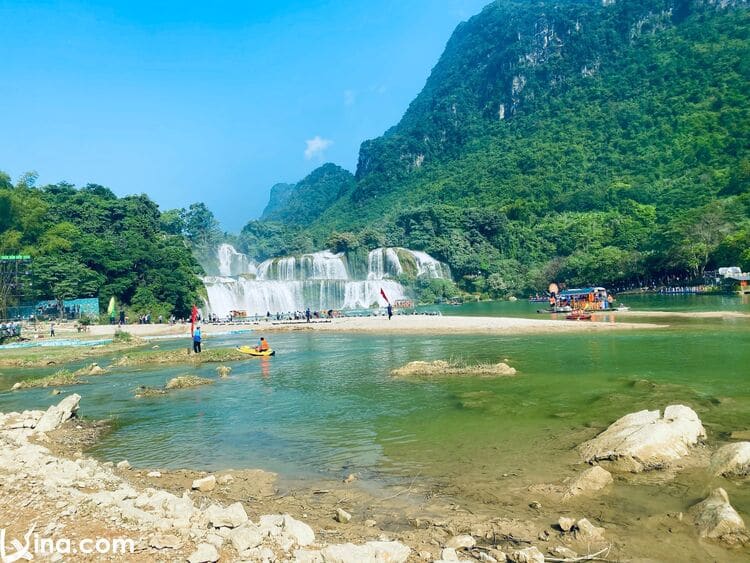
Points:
(321, 281)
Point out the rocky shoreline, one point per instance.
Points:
(243, 516)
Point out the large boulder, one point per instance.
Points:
(732, 460)
(589, 482)
(718, 520)
(645, 440)
(57, 414)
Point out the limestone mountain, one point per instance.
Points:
(277, 200)
(587, 141)
(302, 203)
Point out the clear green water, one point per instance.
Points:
(326, 405)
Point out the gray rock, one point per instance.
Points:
(204, 484)
(588, 482)
(527, 555)
(586, 531)
(645, 440)
(461, 542)
(153, 474)
(732, 460)
(566, 524)
(371, 552)
(206, 553)
(299, 532)
(449, 554)
(124, 464)
(717, 519)
(57, 414)
(343, 516)
(260, 554)
(232, 516)
(166, 541)
(245, 537)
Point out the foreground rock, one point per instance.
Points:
(165, 526)
(732, 460)
(645, 440)
(57, 414)
(373, 551)
(716, 519)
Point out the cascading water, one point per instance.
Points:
(318, 280)
(233, 263)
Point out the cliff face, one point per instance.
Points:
(277, 200)
(508, 60)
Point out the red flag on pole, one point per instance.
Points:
(384, 296)
(193, 317)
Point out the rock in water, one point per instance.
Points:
(124, 464)
(590, 481)
(206, 553)
(717, 519)
(205, 484)
(57, 414)
(732, 460)
(223, 371)
(644, 440)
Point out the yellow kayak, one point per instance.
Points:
(250, 351)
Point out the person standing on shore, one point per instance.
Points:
(52, 329)
(197, 340)
(390, 311)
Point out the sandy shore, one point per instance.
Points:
(413, 324)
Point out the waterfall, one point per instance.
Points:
(383, 263)
(233, 263)
(428, 266)
(318, 280)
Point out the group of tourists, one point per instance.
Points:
(10, 330)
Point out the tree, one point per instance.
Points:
(64, 277)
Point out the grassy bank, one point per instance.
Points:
(181, 356)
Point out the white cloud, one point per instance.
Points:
(350, 97)
(316, 147)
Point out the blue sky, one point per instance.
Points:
(210, 102)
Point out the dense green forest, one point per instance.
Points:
(569, 141)
(89, 243)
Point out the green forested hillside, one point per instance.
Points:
(570, 141)
(306, 200)
(89, 243)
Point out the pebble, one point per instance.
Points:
(153, 474)
(343, 516)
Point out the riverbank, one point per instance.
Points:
(423, 324)
(229, 515)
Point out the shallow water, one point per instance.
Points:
(326, 405)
